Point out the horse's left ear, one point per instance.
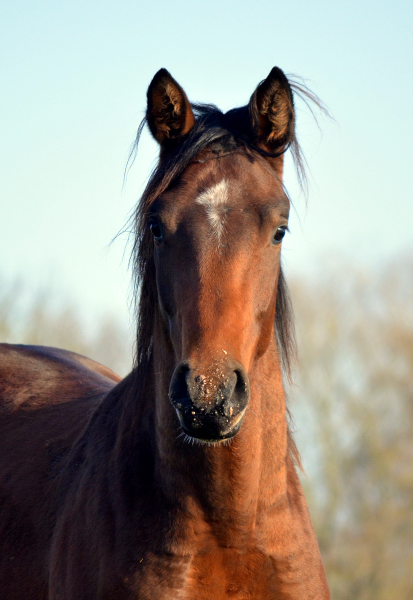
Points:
(272, 116)
(169, 113)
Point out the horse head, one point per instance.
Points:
(216, 229)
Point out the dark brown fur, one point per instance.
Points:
(101, 494)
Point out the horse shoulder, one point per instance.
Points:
(47, 397)
(34, 375)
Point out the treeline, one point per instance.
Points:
(41, 318)
(352, 402)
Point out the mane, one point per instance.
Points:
(219, 133)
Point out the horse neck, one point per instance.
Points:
(234, 481)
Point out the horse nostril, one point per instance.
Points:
(178, 389)
(242, 385)
(237, 396)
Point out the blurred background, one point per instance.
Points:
(73, 82)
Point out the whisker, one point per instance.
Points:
(254, 413)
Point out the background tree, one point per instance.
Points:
(42, 318)
(354, 411)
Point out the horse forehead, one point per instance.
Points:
(222, 190)
(216, 196)
(225, 195)
(233, 179)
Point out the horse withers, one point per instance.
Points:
(178, 482)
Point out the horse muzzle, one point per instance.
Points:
(211, 404)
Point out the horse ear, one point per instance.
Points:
(272, 116)
(169, 113)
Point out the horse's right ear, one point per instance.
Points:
(169, 113)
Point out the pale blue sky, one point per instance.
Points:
(73, 84)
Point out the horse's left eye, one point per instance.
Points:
(279, 234)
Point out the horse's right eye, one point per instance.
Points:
(156, 230)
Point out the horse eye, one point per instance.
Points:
(279, 234)
(156, 230)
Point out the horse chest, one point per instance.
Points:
(226, 574)
(230, 574)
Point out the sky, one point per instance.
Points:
(73, 88)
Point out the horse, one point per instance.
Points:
(178, 482)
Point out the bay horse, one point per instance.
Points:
(178, 482)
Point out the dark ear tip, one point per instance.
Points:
(162, 73)
(157, 79)
(276, 74)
